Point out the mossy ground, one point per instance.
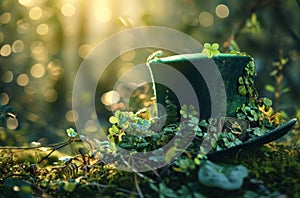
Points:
(272, 168)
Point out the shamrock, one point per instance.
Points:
(210, 50)
(188, 111)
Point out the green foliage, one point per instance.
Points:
(233, 46)
(256, 131)
(85, 175)
(132, 132)
(136, 132)
(194, 124)
(277, 73)
(224, 177)
(70, 186)
(270, 88)
(210, 50)
(225, 140)
(172, 112)
(251, 194)
(185, 164)
(158, 156)
(163, 191)
(277, 166)
(188, 111)
(246, 82)
(130, 123)
(211, 131)
(252, 25)
(237, 52)
(259, 113)
(60, 179)
(72, 133)
(189, 191)
(294, 136)
(249, 111)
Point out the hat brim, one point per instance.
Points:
(255, 142)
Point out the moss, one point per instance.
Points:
(277, 165)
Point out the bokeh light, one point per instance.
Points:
(16, 188)
(50, 95)
(91, 126)
(22, 80)
(102, 13)
(39, 51)
(54, 68)
(5, 18)
(17, 46)
(30, 90)
(4, 99)
(109, 98)
(23, 26)
(35, 13)
(27, 3)
(7, 76)
(32, 116)
(68, 9)
(5, 50)
(42, 29)
(206, 19)
(84, 50)
(12, 123)
(222, 11)
(124, 68)
(37, 70)
(127, 56)
(72, 116)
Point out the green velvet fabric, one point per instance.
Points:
(195, 68)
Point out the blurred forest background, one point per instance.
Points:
(43, 42)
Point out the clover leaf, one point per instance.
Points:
(211, 50)
(224, 177)
(188, 111)
(163, 191)
(113, 120)
(71, 133)
(189, 191)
